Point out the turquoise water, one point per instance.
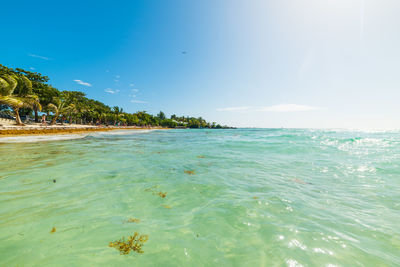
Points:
(271, 197)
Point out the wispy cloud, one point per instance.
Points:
(82, 83)
(32, 68)
(288, 108)
(273, 108)
(138, 101)
(111, 91)
(234, 108)
(135, 90)
(132, 84)
(37, 56)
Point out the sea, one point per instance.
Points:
(202, 197)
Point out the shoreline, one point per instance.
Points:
(63, 129)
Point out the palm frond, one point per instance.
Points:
(31, 101)
(7, 84)
(4, 87)
(53, 107)
(11, 101)
(24, 86)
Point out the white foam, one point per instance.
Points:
(120, 132)
(40, 138)
(60, 137)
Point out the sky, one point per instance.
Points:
(244, 63)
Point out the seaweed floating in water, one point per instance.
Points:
(189, 172)
(167, 206)
(53, 230)
(132, 220)
(154, 192)
(200, 157)
(134, 243)
(255, 197)
(161, 194)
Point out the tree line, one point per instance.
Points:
(28, 93)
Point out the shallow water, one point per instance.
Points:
(271, 197)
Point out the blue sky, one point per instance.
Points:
(258, 63)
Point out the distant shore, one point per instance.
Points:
(13, 130)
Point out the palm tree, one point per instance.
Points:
(103, 117)
(118, 114)
(60, 107)
(16, 92)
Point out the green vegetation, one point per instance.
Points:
(16, 92)
(27, 93)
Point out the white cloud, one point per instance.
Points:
(132, 84)
(82, 83)
(117, 76)
(273, 108)
(32, 68)
(138, 101)
(37, 56)
(111, 91)
(135, 90)
(107, 70)
(115, 80)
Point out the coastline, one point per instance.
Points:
(28, 130)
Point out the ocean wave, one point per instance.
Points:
(62, 137)
(120, 132)
(41, 138)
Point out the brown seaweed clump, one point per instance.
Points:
(154, 192)
(133, 220)
(189, 172)
(134, 243)
(161, 194)
(201, 157)
(53, 230)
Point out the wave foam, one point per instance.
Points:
(61, 137)
(40, 138)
